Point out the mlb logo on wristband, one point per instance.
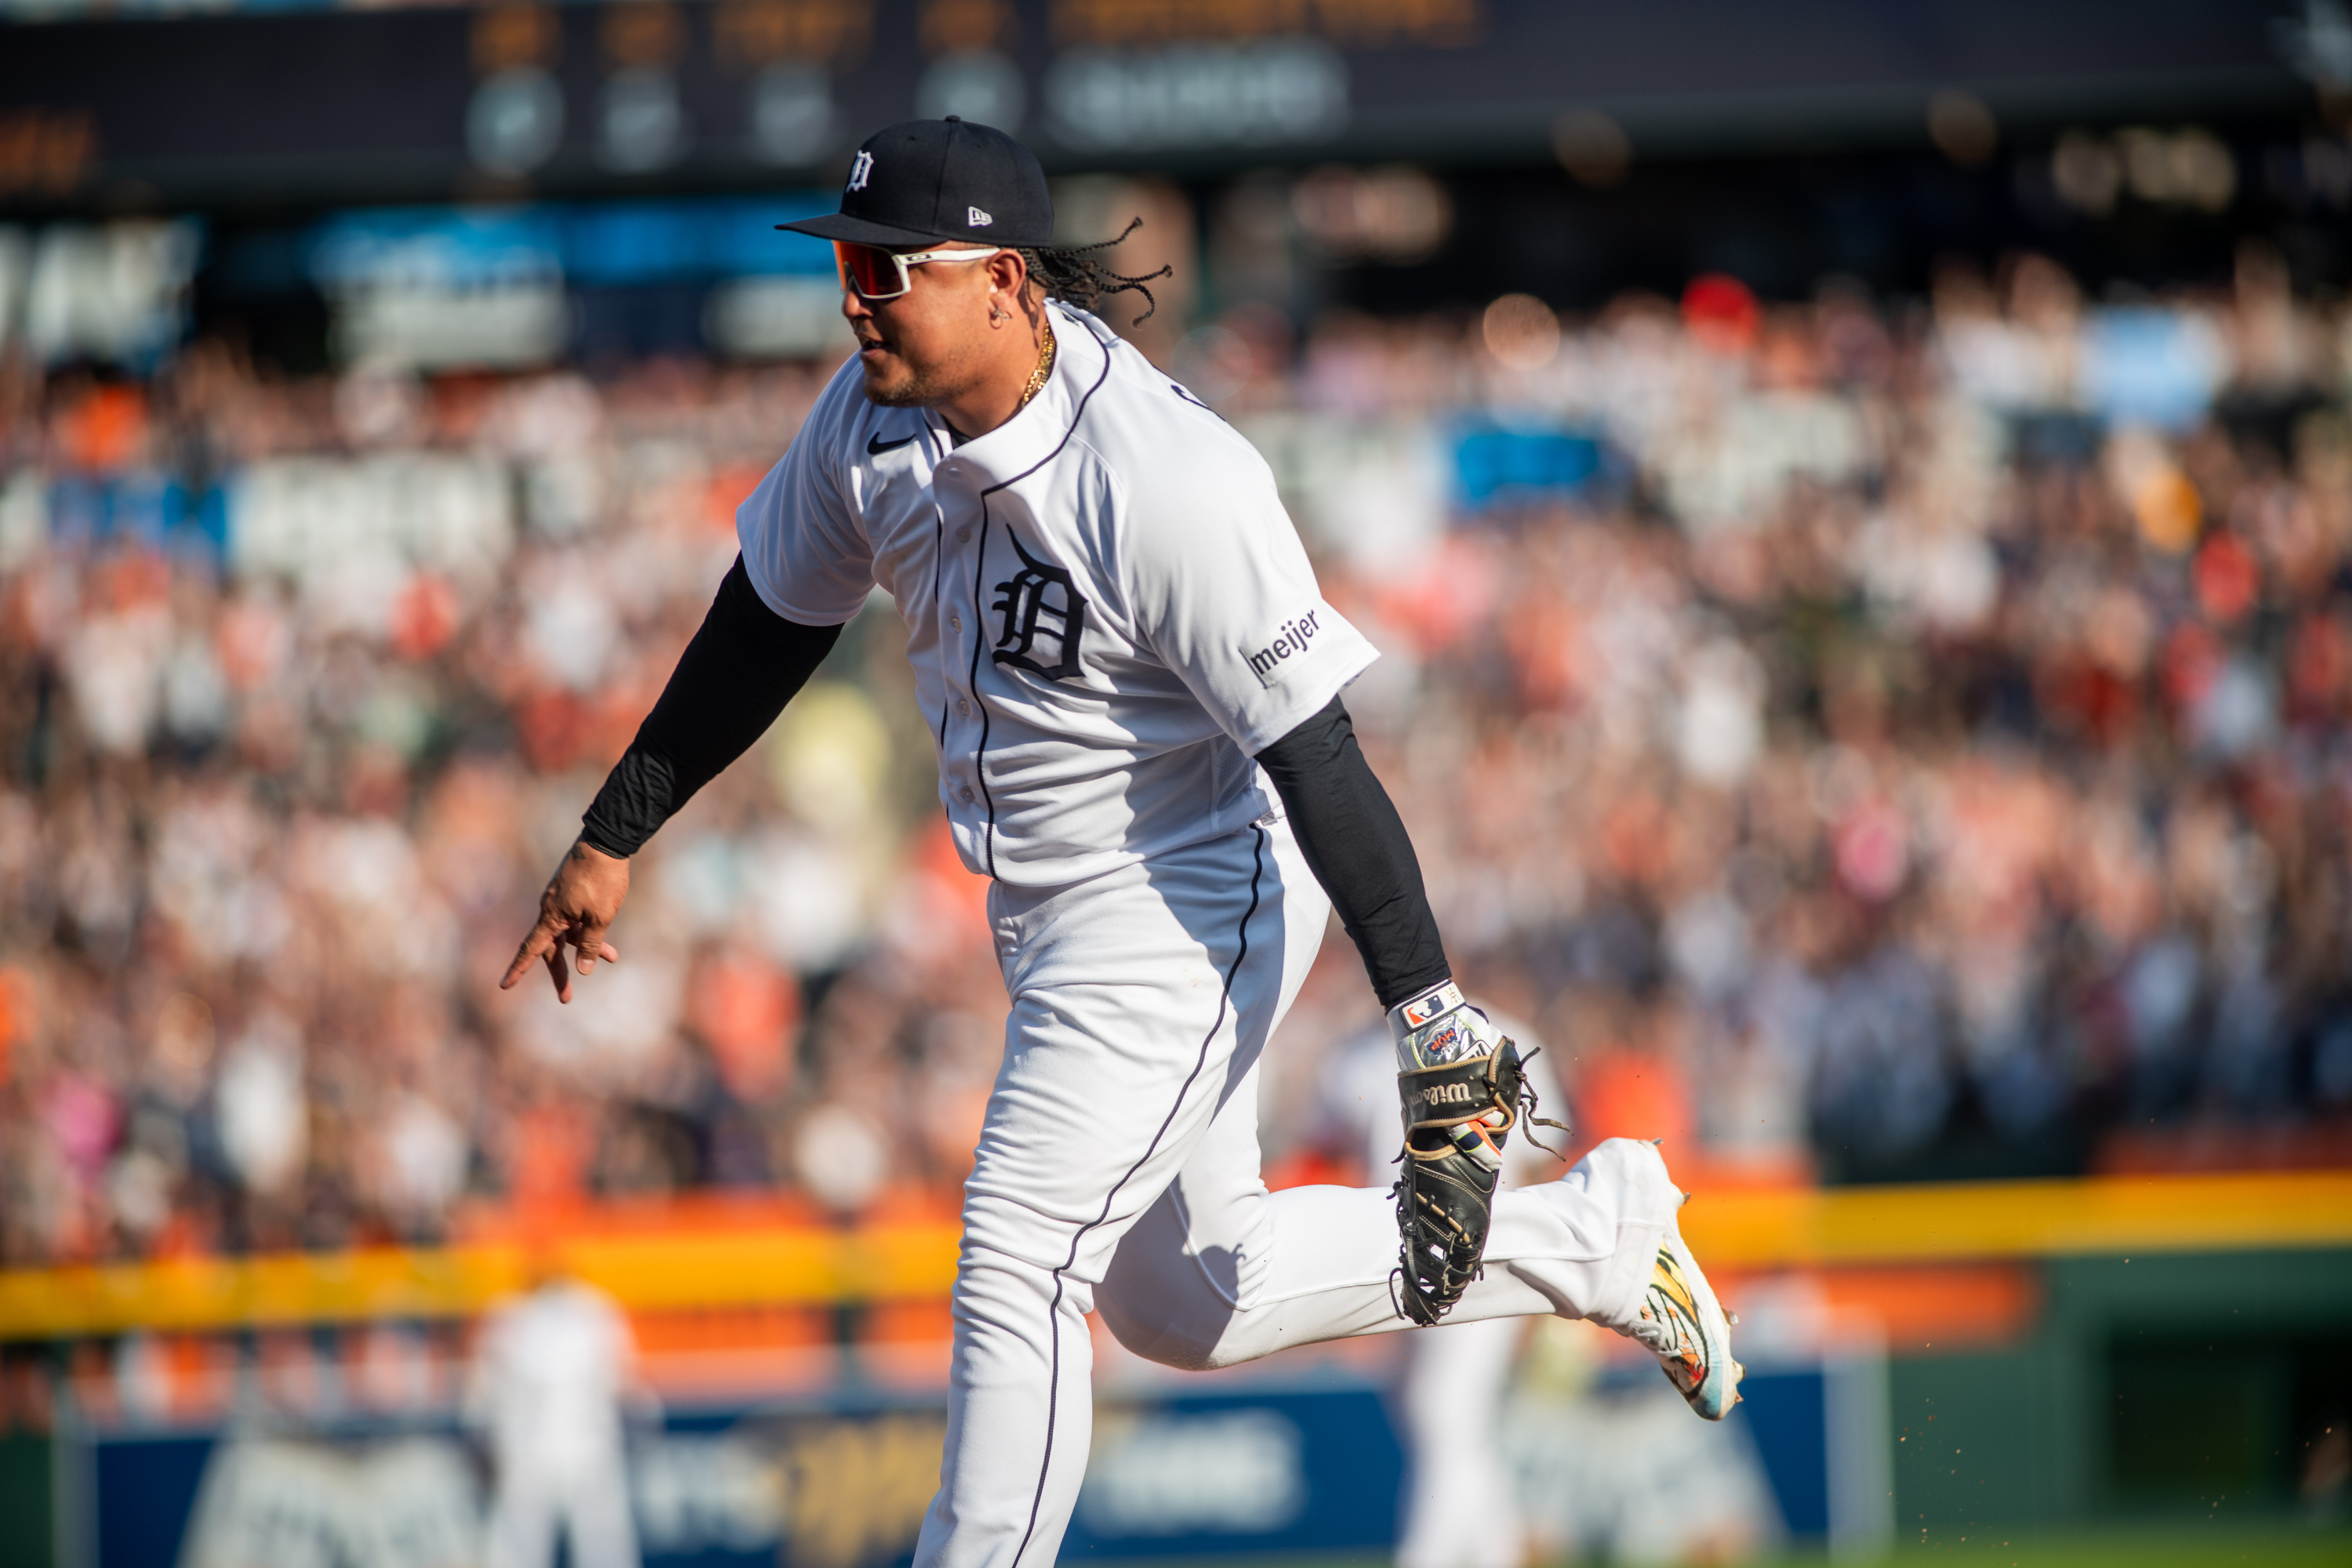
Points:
(1433, 1005)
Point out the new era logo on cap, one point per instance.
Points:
(977, 218)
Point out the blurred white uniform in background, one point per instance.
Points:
(550, 1378)
(1452, 1376)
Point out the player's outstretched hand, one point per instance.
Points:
(581, 902)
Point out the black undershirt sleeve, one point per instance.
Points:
(732, 680)
(1356, 845)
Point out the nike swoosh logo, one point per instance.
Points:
(875, 446)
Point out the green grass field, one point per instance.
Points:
(2187, 1544)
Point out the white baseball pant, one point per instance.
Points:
(1119, 1167)
(1451, 1395)
(588, 1502)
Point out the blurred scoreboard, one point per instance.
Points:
(276, 102)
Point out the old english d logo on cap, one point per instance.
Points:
(928, 180)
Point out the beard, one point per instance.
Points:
(900, 386)
(904, 381)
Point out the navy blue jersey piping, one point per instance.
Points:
(938, 564)
(980, 613)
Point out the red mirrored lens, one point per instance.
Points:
(870, 270)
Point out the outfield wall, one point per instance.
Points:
(2159, 1385)
(2053, 1353)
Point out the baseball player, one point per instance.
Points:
(1134, 686)
(551, 1375)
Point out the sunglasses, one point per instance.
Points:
(878, 274)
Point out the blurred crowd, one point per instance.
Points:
(1864, 738)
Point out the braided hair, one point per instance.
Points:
(1075, 275)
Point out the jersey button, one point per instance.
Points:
(963, 536)
(955, 623)
(964, 707)
(966, 792)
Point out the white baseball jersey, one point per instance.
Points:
(1107, 611)
(548, 1379)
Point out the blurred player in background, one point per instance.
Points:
(1452, 1376)
(552, 1374)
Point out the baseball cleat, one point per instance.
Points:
(1688, 1327)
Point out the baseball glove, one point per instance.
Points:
(1463, 1089)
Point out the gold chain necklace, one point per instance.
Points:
(1044, 368)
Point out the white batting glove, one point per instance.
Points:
(1438, 1027)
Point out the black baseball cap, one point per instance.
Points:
(939, 179)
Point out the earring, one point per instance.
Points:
(996, 314)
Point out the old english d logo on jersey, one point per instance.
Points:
(1039, 604)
